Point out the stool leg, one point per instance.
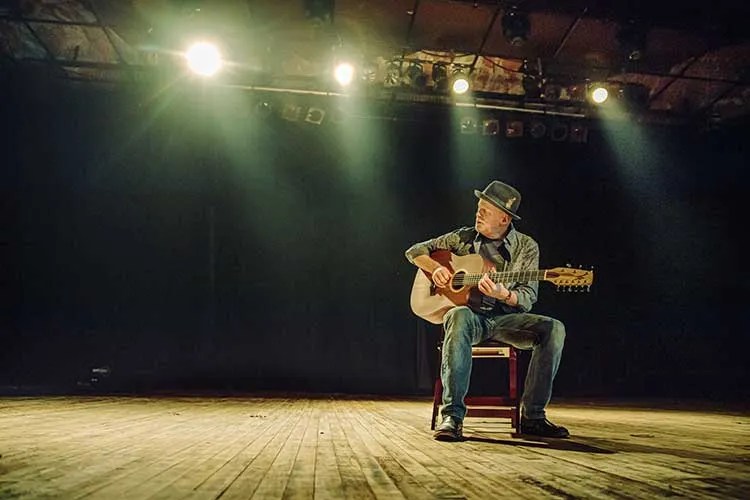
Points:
(437, 398)
(513, 390)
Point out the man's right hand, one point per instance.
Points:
(441, 277)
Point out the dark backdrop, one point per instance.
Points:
(184, 240)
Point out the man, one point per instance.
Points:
(502, 314)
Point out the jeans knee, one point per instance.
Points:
(557, 333)
(457, 321)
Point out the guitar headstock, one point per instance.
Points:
(570, 279)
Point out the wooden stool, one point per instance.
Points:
(505, 406)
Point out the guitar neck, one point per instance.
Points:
(471, 279)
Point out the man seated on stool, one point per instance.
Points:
(503, 314)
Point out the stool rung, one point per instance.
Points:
(491, 412)
(490, 401)
(490, 352)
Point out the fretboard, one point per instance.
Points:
(504, 277)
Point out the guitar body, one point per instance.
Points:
(430, 302)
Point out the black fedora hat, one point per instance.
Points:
(505, 197)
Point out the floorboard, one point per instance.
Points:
(325, 446)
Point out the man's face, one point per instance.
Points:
(489, 220)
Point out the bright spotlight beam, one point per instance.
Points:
(460, 85)
(599, 95)
(204, 59)
(344, 74)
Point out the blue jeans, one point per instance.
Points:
(465, 328)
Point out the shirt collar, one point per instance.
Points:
(509, 241)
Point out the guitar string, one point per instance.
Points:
(474, 278)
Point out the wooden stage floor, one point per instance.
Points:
(358, 447)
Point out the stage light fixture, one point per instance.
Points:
(531, 81)
(537, 129)
(415, 76)
(490, 127)
(460, 82)
(392, 74)
(344, 73)
(440, 76)
(551, 92)
(315, 116)
(468, 125)
(291, 112)
(559, 132)
(514, 128)
(203, 59)
(264, 109)
(368, 73)
(579, 133)
(532, 87)
(599, 94)
(516, 26)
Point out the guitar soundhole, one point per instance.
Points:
(457, 282)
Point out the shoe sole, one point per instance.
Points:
(447, 436)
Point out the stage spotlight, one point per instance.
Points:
(579, 133)
(440, 76)
(203, 58)
(291, 112)
(538, 129)
(264, 109)
(490, 127)
(514, 128)
(599, 94)
(551, 92)
(344, 73)
(368, 73)
(460, 83)
(392, 74)
(531, 81)
(415, 76)
(468, 126)
(516, 26)
(532, 87)
(577, 92)
(315, 116)
(558, 132)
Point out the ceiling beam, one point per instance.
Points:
(486, 35)
(107, 34)
(569, 32)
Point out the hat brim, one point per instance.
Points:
(486, 198)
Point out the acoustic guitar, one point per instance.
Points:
(431, 303)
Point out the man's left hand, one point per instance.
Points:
(492, 289)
